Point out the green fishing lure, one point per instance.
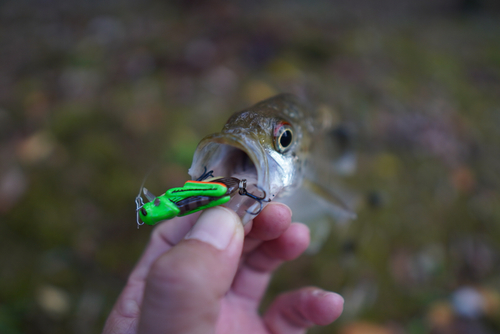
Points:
(206, 192)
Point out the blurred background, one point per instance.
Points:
(94, 93)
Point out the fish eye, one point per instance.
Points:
(283, 137)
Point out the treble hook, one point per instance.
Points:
(139, 203)
(205, 175)
(243, 191)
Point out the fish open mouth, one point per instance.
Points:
(240, 156)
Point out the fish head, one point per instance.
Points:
(266, 144)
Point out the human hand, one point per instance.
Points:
(211, 278)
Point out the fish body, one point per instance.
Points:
(270, 145)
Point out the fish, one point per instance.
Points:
(278, 145)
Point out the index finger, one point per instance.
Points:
(270, 224)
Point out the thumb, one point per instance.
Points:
(185, 285)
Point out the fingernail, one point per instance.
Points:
(335, 297)
(330, 295)
(215, 227)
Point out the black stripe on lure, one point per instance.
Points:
(205, 192)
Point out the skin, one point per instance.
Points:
(212, 279)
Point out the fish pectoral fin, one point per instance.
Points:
(331, 197)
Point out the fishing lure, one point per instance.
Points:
(205, 192)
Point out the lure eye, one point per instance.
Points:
(144, 212)
(283, 137)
